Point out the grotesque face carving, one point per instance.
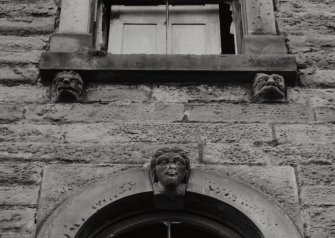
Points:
(170, 168)
(269, 88)
(67, 86)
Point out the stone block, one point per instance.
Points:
(127, 153)
(325, 114)
(305, 133)
(66, 42)
(23, 94)
(27, 25)
(17, 74)
(117, 93)
(27, 8)
(318, 195)
(288, 154)
(233, 153)
(264, 44)
(17, 220)
(60, 181)
(122, 112)
(178, 133)
(22, 174)
(10, 113)
(317, 175)
(248, 112)
(277, 184)
(20, 43)
(20, 58)
(19, 195)
(30, 132)
(319, 222)
(325, 78)
(201, 93)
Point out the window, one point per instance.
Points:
(168, 28)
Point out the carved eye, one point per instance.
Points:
(179, 161)
(163, 161)
(278, 79)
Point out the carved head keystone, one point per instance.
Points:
(67, 86)
(268, 88)
(170, 168)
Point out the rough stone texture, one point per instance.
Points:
(320, 222)
(325, 78)
(123, 112)
(167, 133)
(201, 93)
(17, 221)
(233, 153)
(129, 153)
(10, 113)
(18, 43)
(248, 112)
(18, 195)
(118, 93)
(278, 184)
(18, 74)
(306, 133)
(30, 132)
(26, 25)
(62, 180)
(318, 195)
(317, 175)
(25, 174)
(23, 94)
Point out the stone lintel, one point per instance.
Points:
(163, 68)
(260, 17)
(264, 44)
(69, 42)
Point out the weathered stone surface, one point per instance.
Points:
(201, 93)
(285, 154)
(317, 175)
(318, 195)
(10, 113)
(278, 184)
(325, 114)
(324, 78)
(167, 133)
(248, 112)
(23, 94)
(16, 235)
(25, 174)
(30, 133)
(19, 43)
(305, 133)
(32, 9)
(62, 180)
(129, 153)
(18, 195)
(15, 58)
(233, 154)
(123, 112)
(16, 74)
(17, 220)
(319, 222)
(117, 93)
(26, 25)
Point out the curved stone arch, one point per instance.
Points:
(71, 215)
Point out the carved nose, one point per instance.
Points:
(66, 81)
(271, 82)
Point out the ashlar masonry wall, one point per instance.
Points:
(285, 151)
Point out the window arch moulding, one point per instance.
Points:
(81, 44)
(89, 212)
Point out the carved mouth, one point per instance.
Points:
(271, 91)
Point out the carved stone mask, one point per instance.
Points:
(67, 86)
(170, 168)
(269, 88)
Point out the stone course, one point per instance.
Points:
(285, 151)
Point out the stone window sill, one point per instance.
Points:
(140, 68)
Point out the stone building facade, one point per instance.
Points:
(285, 151)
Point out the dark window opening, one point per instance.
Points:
(227, 29)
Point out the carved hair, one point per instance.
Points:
(165, 150)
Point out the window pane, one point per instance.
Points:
(139, 39)
(188, 39)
